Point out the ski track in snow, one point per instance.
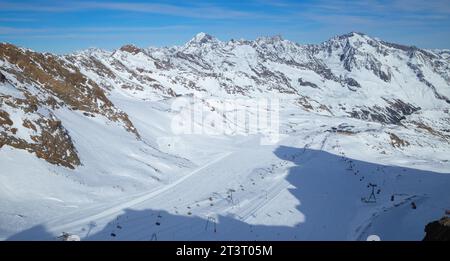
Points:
(138, 200)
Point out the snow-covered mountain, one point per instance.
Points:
(85, 136)
(379, 81)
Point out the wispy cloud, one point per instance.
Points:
(435, 6)
(193, 11)
(374, 13)
(274, 3)
(6, 30)
(374, 6)
(56, 32)
(14, 20)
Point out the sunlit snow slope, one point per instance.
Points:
(88, 145)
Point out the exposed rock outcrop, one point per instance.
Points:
(438, 230)
(130, 49)
(43, 135)
(56, 77)
(2, 78)
(45, 82)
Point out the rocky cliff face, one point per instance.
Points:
(33, 85)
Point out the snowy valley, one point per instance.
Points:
(90, 142)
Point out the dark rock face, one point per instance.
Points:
(64, 81)
(348, 57)
(58, 84)
(438, 230)
(398, 109)
(375, 67)
(394, 113)
(205, 39)
(49, 140)
(397, 142)
(306, 83)
(130, 49)
(2, 77)
(321, 69)
(421, 77)
(351, 83)
(399, 46)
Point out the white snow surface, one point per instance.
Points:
(309, 185)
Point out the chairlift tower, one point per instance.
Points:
(372, 198)
(211, 220)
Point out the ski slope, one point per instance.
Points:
(308, 186)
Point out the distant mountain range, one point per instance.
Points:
(351, 75)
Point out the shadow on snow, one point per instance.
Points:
(329, 189)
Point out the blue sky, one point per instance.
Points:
(65, 26)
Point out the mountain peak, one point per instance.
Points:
(353, 39)
(356, 34)
(352, 35)
(202, 38)
(270, 39)
(130, 49)
(90, 51)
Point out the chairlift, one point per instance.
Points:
(372, 198)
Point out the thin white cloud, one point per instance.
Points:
(11, 19)
(193, 11)
(5, 30)
(435, 6)
(374, 13)
(274, 3)
(377, 7)
(56, 32)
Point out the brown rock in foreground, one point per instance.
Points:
(438, 230)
